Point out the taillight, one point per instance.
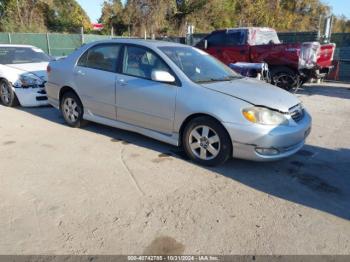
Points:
(309, 53)
(48, 69)
(333, 51)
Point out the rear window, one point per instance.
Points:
(216, 39)
(263, 37)
(101, 57)
(22, 55)
(235, 38)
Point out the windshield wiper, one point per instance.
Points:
(219, 79)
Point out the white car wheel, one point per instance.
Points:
(7, 96)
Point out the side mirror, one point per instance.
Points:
(162, 76)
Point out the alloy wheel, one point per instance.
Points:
(71, 109)
(5, 93)
(204, 143)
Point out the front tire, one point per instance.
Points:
(72, 110)
(7, 95)
(206, 142)
(285, 78)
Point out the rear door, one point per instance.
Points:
(95, 78)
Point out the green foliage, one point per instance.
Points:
(112, 16)
(42, 16)
(66, 16)
(166, 17)
(161, 17)
(341, 25)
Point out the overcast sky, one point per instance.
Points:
(93, 7)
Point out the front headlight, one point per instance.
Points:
(264, 116)
(27, 81)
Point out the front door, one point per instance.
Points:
(140, 100)
(95, 75)
(236, 49)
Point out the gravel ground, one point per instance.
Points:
(100, 190)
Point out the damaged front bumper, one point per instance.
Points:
(315, 73)
(261, 143)
(31, 97)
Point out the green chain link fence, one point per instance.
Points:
(52, 43)
(57, 44)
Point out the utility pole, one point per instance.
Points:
(82, 35)
(48, 43)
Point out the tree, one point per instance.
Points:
(185, 8)
(66, 16)
(23, 15)
(41, 16)
(112, 17)
(341, 25)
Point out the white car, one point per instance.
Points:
(23, 75)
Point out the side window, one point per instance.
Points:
(216, 39)
(5, 55)
(83, 59)
(141, 62)
(235, 38)
(102, 57)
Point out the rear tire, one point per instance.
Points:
(285, 78)
(72, 110)
(7, 95)
(206, 142)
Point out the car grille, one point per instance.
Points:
(41, 98)
(297, 113)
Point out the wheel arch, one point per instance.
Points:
(197, 115)
(4, 78)
(65, 90)
(281, 68)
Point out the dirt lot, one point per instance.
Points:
(100, 190)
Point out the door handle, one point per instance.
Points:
(122, 82)
(79, 72)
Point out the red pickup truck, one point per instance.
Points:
(291, 64)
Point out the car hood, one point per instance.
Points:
(256, 92)
(37, 69)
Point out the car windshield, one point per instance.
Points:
(198, 65)
(22, 55)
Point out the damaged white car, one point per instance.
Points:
(23, 75)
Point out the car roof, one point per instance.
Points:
(143, 42)
(245, 28)
(22, 46)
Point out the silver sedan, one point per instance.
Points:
(179, 95)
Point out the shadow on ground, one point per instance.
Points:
(338, 90)
(315, 177)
